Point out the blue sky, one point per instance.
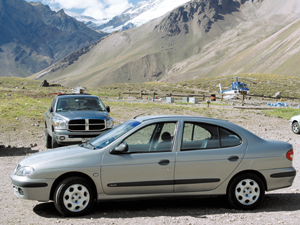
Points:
(98, 9)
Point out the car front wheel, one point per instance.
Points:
(74, 196)
(246, 191)
(296, 128)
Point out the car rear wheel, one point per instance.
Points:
(74, 196)
(296, 128)
(246, 191)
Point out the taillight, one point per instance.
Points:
(290, 154)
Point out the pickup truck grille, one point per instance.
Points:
(87, 125)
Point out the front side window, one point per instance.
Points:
(156, 137)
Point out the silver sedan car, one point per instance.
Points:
(158, 156)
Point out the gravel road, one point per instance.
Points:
(279, 207)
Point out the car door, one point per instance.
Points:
(148, 165)
(207, 156)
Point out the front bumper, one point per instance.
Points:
(65, 137)
(32, 189)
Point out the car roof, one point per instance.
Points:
(154, 117)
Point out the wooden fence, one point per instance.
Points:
(201, 96)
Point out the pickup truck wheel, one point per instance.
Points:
(74, 196)
(48, 140)
(54, 143)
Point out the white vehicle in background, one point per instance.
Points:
(295, 124)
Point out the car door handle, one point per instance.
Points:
(233, 158)
(164, 162)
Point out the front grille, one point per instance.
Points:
(87, 125)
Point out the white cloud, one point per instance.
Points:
(98, 9)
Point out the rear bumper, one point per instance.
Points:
(279, 178)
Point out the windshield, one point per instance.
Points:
(79, 103)
(243, 86)
(109, 136)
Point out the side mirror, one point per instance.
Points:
(108, 109)
(51, 109)
(123, 147)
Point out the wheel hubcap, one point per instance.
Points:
(247, 192)
(295, 127)
(76, 198)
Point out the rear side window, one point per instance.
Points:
(228, 138)
(200, 136)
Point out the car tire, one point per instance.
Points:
(54, 143)
(246, 191)
(296, 128)
(48, 140)
(74, 196)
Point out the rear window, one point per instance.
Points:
(228, 138)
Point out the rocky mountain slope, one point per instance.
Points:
(32, 37)
(199, 39)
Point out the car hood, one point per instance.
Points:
(54, 155)
(82, 114)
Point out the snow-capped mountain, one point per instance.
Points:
(132, 17)
(88, 20)
(148, 10)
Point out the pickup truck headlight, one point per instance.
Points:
(24, 171)
(110, 123)
(60, 124)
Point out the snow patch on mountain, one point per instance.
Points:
(153, 9)
(132, 17)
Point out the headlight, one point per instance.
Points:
(60, 124)
(24, 171)
(110, 123)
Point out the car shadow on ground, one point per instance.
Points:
(198, 207)
(4, 152)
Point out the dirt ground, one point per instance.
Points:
(280, 207)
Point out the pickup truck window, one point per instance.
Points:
(79, 103)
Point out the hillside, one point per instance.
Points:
(202, 38)
(32, 37)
